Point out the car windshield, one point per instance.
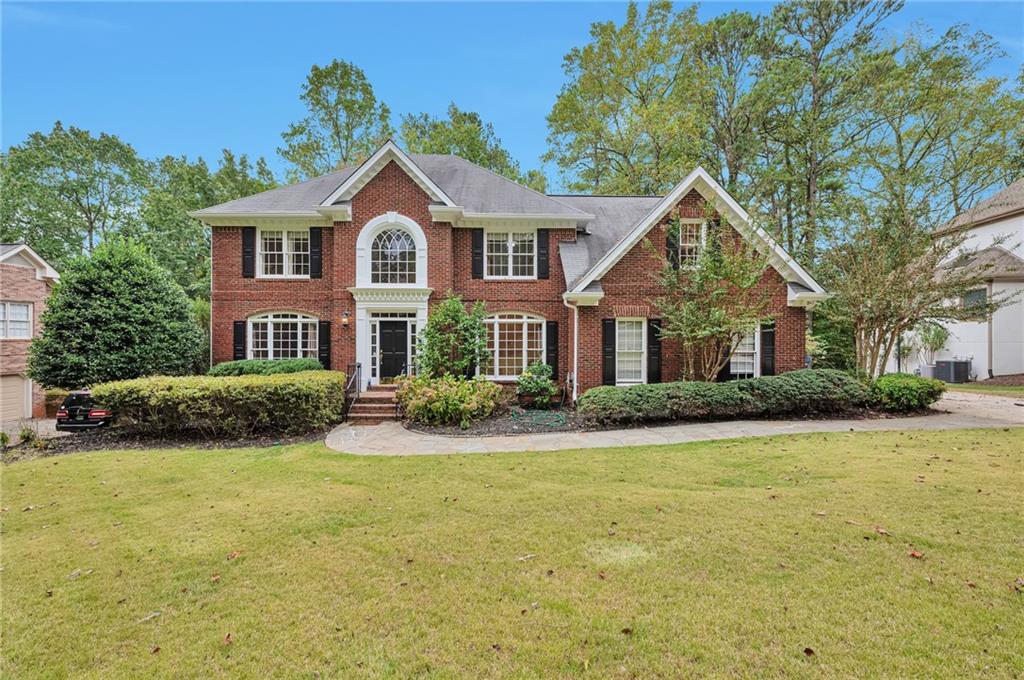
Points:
(77, 400)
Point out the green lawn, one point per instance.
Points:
(721, 559)
(999, 390)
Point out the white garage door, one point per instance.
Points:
(13, 397)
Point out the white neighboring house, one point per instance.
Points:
(994, 345)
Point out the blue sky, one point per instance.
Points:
(184, 78)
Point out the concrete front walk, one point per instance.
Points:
(963, 410)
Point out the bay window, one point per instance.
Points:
(514, 341)
(511, 255)
(284, 253)
(282, 335)
(630, 342)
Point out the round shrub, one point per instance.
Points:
(448, 400)
(905, 392)
(233, 406)
(536, 382)
(264, 367)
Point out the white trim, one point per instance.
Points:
(524, 319)
(700, 180)
(582, 299)
(364, 243)
(411, 319)
(5, 323)
(757, 353)
(508, 243)
(43, 269)
(374, 164)
(458, 216)
(276, 219)
(575, 347)
(285, 252)
(271, 319)
(643, 350)
(370, 302)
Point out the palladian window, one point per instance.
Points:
(282, 335)
(514, 341)
(393, 257)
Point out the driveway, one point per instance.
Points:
(43, 427)
(961, 410)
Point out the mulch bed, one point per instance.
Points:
(1009, 380)
(108, 439)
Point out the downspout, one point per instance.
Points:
(209, 323)
(575, 347)
(990, 343)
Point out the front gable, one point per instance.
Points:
(385, 156)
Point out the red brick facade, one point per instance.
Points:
(449, 249)
(20, 284)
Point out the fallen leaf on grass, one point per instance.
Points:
(215, 578)
(881, 531)
(916, 554)
(601, 575)
(149, 617)
(808, 651)
(156, 648)
(627, 631)
(527, 556)
(971, 584)
(227, 639)
(233, 554)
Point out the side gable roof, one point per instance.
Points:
(21, 251)
(726, 206)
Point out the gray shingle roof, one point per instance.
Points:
(994, 262)
(7, 247)
(472, 187)
(1008, 201)
(614, 217)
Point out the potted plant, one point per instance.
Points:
(535, 387)
(932, 339)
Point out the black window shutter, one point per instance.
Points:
(552, 348)
(478, 253)
(323, 344)
(239, 340)
(768, 348)
(543, 254)
(248, 252)
(608, 351)
(726, 371)
(672, 245)
(654, 350)
(316, 252)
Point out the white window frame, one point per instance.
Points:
(688, 263)
(5, 331)
(415, 259)
(643, 350)
(508, 276)
(525, 321)
(757, 355)
(282, 317)
(286, 252)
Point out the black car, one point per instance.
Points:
(78, 412)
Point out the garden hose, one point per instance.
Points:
(539, 418)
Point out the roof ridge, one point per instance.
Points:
(522, 186)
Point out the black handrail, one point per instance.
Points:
(353, 386)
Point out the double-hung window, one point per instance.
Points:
(284, 253)
(511, 255)
(743, 362)
(630, 342)
(15, 320)
(282, 335)
(514, 341)
(691, 242)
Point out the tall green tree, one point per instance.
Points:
(630, 118)
(465, 134)
(114, 314)
(344, 121)
(65, 191)
(180, 243)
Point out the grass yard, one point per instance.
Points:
(998, 390)
(787, 556)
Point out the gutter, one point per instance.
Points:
(575, 347)
(991, 353)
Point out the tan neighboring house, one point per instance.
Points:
(25, 283)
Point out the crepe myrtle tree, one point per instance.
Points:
(454, 340)
(710, 301)
(115, 314)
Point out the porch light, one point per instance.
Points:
(344, 319)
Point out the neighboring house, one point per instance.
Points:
(344, 267)
(995, 240)
(25, 283)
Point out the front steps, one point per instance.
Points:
(374, 406)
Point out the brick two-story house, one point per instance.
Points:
(25, 283)
(344, 267)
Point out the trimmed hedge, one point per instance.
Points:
(905, 392)
(448, 400)
(264, 367)
(293, 403)
(797, 392)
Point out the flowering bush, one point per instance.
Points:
(536, 382)
(448, 400)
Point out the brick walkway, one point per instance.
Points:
(962, 411)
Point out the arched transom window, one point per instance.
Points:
(514, 341)
(282, 335)
(393, 257)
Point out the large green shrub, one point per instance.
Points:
(798, 392)
(292, 403)
(448, 400)
(454, 340)
(905, 392)
(265, 366)
(536, 382)
(114, 315)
